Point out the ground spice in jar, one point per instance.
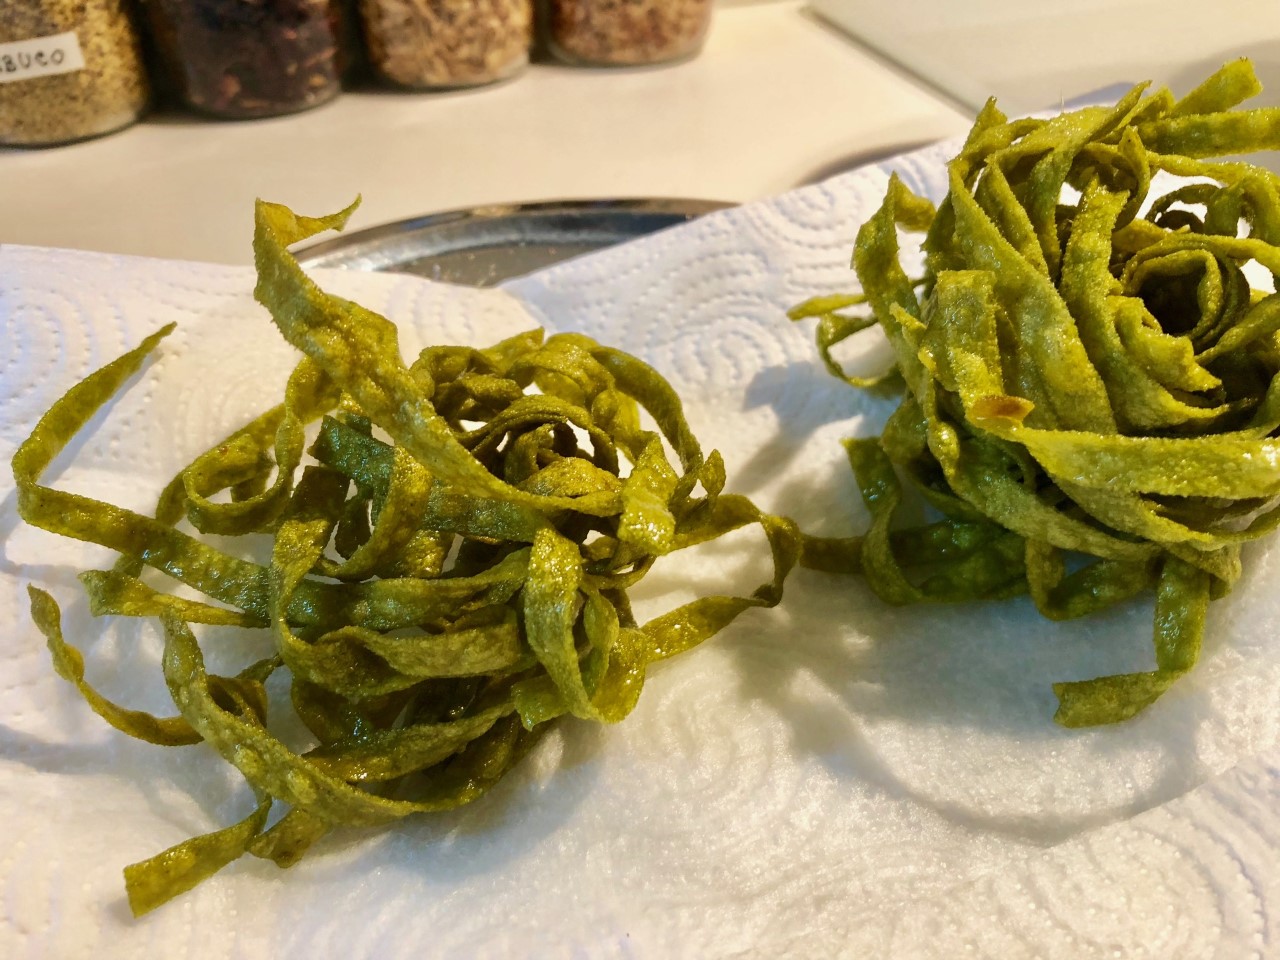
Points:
(626, 32)
(447, 43)
(69, 70)
(249, 58)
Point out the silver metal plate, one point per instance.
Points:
(483, 246)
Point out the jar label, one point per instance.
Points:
(40, 57)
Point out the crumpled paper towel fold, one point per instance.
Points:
(830, 778)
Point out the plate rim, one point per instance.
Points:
(344, 251)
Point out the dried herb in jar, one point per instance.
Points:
(69, 70)
(627, 32)
(250, 58)
(447, 43)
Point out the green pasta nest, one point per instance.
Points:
(437, 598)
(1091, 396)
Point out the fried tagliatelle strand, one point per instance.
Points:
(437, 598)
(1092, 386)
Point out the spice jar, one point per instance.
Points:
(447, 43)
(626, 32)
(249, 58)
(69, 70)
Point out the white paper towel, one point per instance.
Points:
(830, 778)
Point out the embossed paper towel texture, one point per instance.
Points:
(832, 777)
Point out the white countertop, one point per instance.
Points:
(777, 98)
(1033, 54)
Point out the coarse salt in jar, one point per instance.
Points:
(440, 44)
(626, 32)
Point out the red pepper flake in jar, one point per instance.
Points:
(250, 58)
(447, 43)
(627, 32)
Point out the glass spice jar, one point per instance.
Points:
(427, 44)
(626, 32)
(239, 59)
(69, 70)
